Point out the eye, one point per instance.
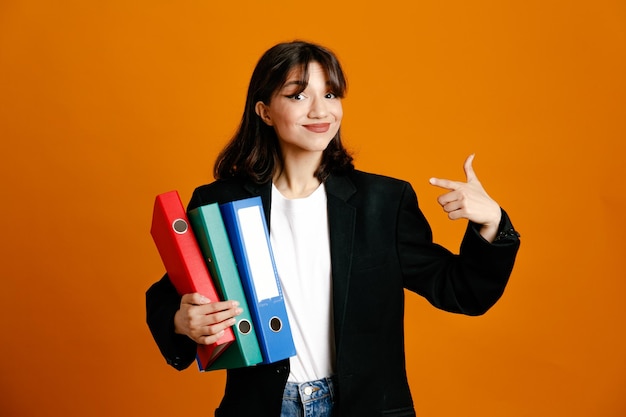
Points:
(298, 96)
(330, 95)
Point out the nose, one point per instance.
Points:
(318, 109)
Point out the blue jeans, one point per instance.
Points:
(309, 399)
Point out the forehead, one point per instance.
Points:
(301, 74)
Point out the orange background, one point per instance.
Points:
(105, 104)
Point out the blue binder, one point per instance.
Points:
(250, 242)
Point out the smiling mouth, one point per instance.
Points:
(318, 127)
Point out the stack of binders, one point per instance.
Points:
(233, 239)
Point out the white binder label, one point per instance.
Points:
(257, 250)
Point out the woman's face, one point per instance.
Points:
(304, 122)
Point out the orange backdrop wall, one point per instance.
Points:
(103, 105)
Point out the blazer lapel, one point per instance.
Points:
(341, 218)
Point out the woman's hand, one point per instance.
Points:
(469, 200)
(202, 320)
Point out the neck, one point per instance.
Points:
(296, 179)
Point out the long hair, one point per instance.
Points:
(254, 152)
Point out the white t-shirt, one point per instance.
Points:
(300, 243)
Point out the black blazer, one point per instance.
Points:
(380, 244)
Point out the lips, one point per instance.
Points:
(318, 127)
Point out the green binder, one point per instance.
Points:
(206, 222)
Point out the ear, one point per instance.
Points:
(263, 112)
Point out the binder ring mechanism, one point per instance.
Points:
(180, 226)
(276, 324)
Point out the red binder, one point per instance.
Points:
(184, 262)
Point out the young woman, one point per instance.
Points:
(346, 244)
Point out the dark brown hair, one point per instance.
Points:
(253, 152)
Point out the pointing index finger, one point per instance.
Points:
(442, 183)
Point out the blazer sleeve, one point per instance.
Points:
(162, 302)
(470, 282)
